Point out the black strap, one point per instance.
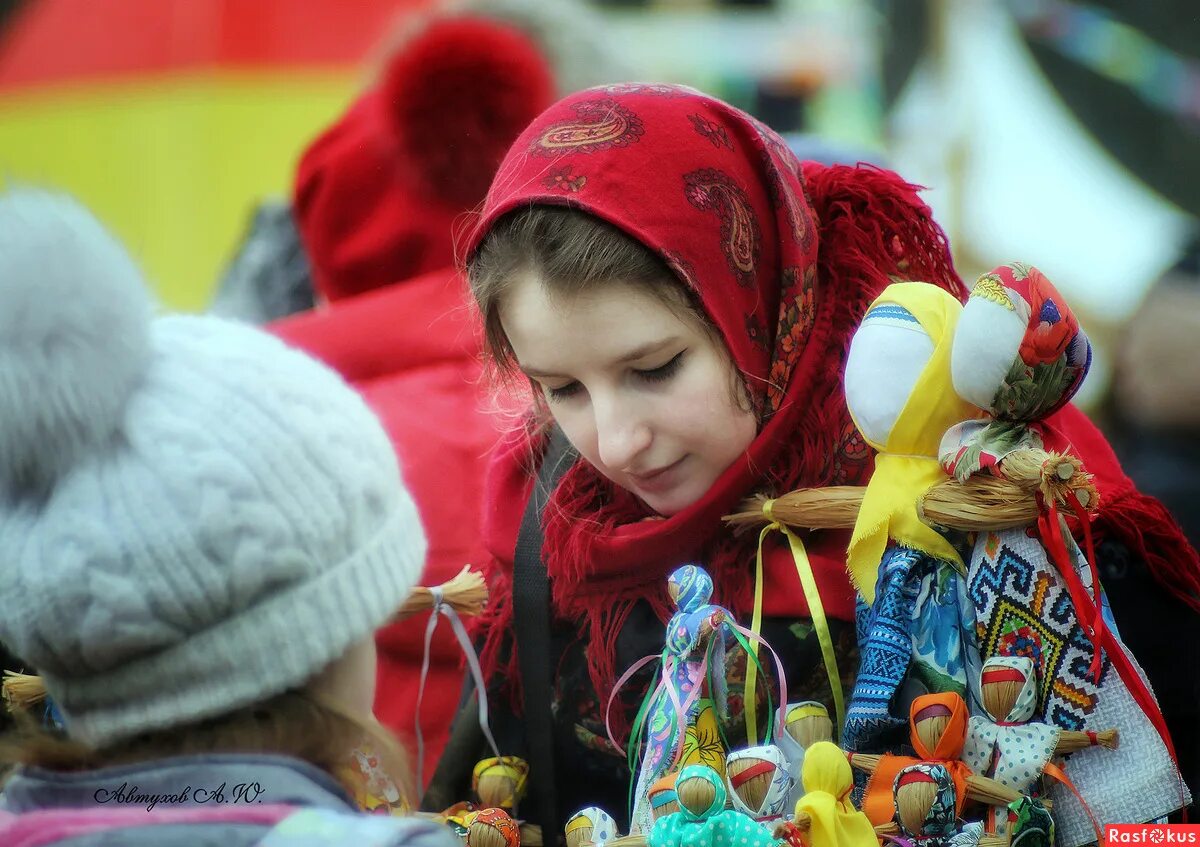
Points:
(531, 628)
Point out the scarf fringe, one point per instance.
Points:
(1143, 525)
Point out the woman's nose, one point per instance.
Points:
(622, 432)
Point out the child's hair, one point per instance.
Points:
(296, 723)
(570, 252)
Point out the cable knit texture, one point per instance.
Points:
(233, 524)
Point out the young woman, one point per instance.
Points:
(678, 292)
(203, 529)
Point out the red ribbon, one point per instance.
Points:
(740, 779)
(1050, 530)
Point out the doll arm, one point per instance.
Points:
(466, 593)
(1071, 741)
(864, 761)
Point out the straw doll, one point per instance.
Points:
(938, 731)
(804, 724)
(499, 782)
(926, 797)
(759, 782)
(915, 620)
(1007, 744)
(590, 826)
(825, 817)
(1030, 824)
(663, 799)
(1019, 354)
(493, 828)
(694, 650)
(703, 820)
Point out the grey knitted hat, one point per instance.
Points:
(193, 517)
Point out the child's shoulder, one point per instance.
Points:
(329, 828)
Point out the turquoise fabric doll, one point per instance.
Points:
(710, 825)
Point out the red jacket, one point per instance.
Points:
(413, 352)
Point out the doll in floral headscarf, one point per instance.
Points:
(1020, 355)
(926, 800)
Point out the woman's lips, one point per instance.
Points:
(659, 480)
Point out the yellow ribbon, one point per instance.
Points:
(816, 612)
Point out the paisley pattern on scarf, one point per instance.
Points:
(711, 130)
(713, 191)
(600, 125)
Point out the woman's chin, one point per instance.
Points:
(669, 504)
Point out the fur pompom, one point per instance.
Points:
(458, 94)
(74, 335)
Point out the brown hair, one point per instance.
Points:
(295, 723)
(570, 251)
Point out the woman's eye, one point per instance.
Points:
(662, 372)
(564, 392)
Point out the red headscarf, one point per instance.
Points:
(784, 259)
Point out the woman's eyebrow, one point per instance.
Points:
(646, 349)
(633, 355)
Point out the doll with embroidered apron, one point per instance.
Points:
(694, 651)
(703, 820)
(916, 624)
(1006, 743)
(1020, 354)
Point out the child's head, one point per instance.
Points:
(197, 520)
(621, 354)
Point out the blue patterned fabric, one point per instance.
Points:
(885, 650)
(922, 618)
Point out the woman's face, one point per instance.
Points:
(646, 395)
